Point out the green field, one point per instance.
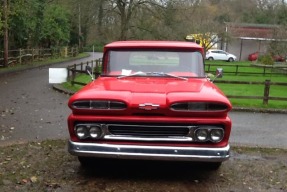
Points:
(236, 89)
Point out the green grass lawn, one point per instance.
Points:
(236, 89)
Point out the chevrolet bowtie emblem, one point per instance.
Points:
(148, 106)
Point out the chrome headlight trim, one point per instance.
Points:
(89, 131)
(216, 135)
(209, 133)
(81, 132)
(201, 135)
(95, 132)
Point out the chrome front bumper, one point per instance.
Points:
(149, 152)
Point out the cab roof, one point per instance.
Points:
(153, 44)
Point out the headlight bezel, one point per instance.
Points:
(209, 137)
(97, 129)
(81, 129)
(87, 131)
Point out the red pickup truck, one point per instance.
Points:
(152, 101)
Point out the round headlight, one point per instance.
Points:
(201, 134)
(95, 132)
(81, 132)
(216, 135)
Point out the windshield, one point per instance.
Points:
(179, 63)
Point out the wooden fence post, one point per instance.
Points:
(73, 74)
(68, 73)
(32, 55)
(20, 56)
(266, 92)
(236, 73)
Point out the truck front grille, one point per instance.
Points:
(149, 132)
(146, 130)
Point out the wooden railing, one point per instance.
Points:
(74, 70)
(237, 69)
(266, 95)
(23, 56)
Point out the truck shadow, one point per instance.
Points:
(146, 170)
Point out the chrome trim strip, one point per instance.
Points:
(130, 138)
(201, 154)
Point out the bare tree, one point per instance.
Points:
(5, 18)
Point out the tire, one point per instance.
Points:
(213, 166)
(210, 58)
(230, 59)
(86, 161)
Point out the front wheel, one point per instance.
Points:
(213, 166)
(210, 58)
(86, 161)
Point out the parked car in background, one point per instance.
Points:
(152, 101)
(216, 54)
(254, 56)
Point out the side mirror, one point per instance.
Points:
(219, 73)
(89, 71)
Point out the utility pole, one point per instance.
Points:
(5, 17)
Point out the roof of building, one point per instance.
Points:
(248, 30)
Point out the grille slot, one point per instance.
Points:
(148, 130)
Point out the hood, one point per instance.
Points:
(150, 90)
(146, 85)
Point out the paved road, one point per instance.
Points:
(32, 111)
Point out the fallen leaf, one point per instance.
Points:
(34, 179)
(24, 181)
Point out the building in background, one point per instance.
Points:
(245, 39)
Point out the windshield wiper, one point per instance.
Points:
(140, 73)
(166, 74)
(133, 74)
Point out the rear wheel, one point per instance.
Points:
(210, 58)
(230, 59)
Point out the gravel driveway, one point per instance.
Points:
(32, 111)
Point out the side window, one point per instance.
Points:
(118, 60)
(222, 52)
(192, 62)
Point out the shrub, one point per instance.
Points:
(266, 59)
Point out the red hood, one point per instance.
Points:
(151, 90)
(146, 85)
